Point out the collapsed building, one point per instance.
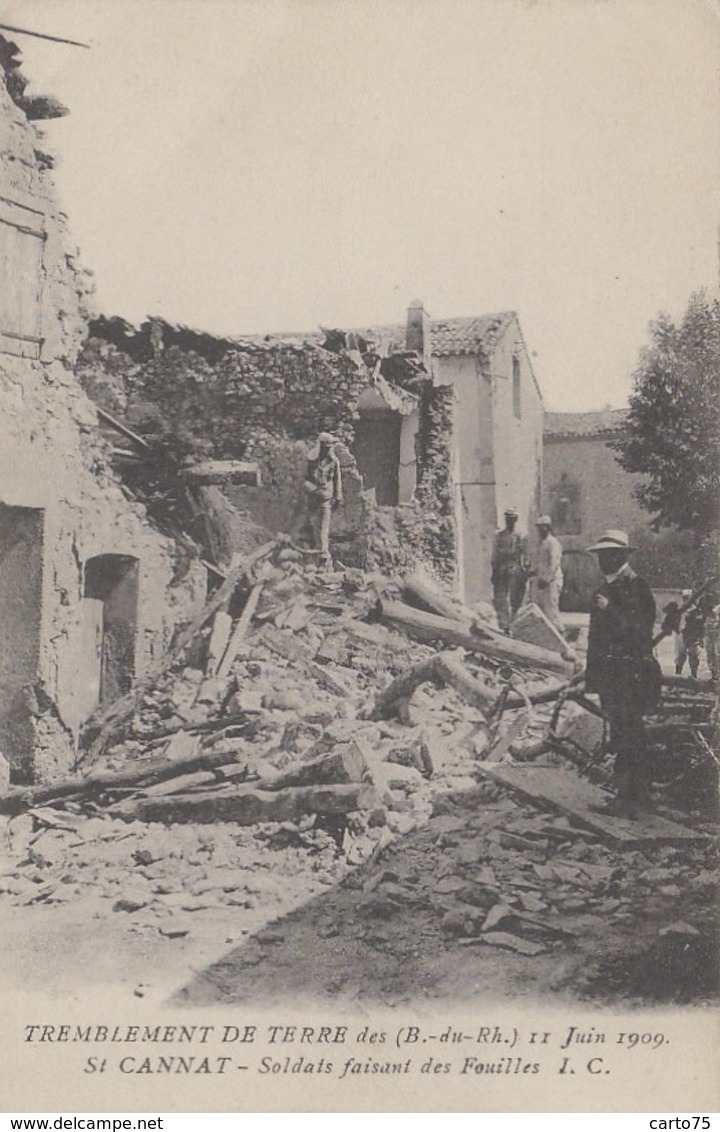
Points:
(90, 591)
(439, 424)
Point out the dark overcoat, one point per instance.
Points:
(620, 658)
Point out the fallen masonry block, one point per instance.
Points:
(249, 806)
(531, 625)
(333, 650)
(345, 763)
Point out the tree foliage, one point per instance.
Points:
(673, 436)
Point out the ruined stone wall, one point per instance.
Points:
(267, 402)
(54, 463)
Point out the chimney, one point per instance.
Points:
(417, 333)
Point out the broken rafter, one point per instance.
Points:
(107, 721)
(443, 669)
(429, 627)
(122, 429)
(43, 35)
(216, 472)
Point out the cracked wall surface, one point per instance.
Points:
(54, 463)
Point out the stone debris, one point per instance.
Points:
(248, 794)
(531, 625)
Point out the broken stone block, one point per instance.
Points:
(457, 922)
(532, 626)
(130, 903)
(581, 727)
(246, 699)
(284, 699)
(401, 823)
(333, 650)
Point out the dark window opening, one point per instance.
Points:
(111, 601)
(565, 506)
(376, 449)
(517, 393)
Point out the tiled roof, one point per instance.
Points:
(452, 336)
(448, 336)
(585, 424)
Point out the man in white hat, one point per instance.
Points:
(549, 575)
(621, 668)
(323, 488)
(509, 570)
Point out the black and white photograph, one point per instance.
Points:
(359, 555)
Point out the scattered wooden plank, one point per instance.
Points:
(424, 596)
(219, 637)
(179, 785)
(429, 627)
(240, 630)
(153, 770)
(209, 472)
(564, 792)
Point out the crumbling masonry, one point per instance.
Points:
(266, 400)
(89, 591)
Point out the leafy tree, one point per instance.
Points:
(673, 436)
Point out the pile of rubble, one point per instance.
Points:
(300, 726)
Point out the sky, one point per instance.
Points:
(249, 166)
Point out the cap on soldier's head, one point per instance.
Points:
(543, 521)
(511, 512)
(326, 438)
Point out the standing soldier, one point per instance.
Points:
(621, 668)
(509, 570)
(323, 487)
(689, 641)
(549, 573)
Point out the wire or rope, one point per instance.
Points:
(43, 35)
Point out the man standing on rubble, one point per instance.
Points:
(621, 668)
(549, 575)
(323, 488)
(509, 566)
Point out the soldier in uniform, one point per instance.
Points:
(323, 489)
(549, 575)
(509, 565)
(621, 668)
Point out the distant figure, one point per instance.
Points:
(689, 642)
(548, 573)
(621, 668)
(509, 565)
(323, 488)
(710, 607)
